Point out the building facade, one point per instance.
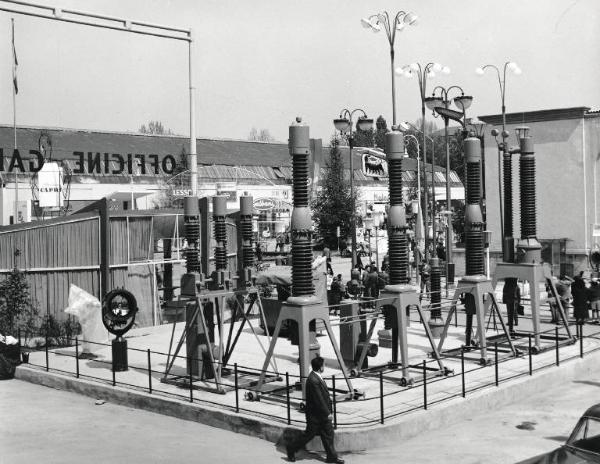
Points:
(567, 150)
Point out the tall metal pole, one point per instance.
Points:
(448, 202)
(393, 85)
(352, 199)
(193, 158)
(433, 225)
(14, 95)
(425, 193)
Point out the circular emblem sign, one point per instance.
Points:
(264, 204)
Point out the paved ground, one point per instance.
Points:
(40, 424)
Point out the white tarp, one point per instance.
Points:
(88, 309)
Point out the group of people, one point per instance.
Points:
(570, 291)
(367, 282)
(583, 298)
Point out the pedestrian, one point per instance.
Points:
(385, 264)
(563, 288)
(425, 280)
(336, 293)
(440, 251)
(318, 415)
(511, 297)
(371, 282)
(354, 286)
(259, 255)
(279, 242)
(580, 300)
(594, 297)
(328, 264)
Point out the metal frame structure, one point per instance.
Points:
(124, 25)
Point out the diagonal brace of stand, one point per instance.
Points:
(216, 363)
(478, 286)
(402, 298)
(534, 273)
(303, 310)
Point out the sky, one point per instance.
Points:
(261, 63)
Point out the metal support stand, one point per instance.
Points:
(478, 286)
(401, 298)
(303, 310)
(534, 273)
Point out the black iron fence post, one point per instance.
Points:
(191, 387)
(462, 370)
(149, 372)
(530, 359)
(496, 361)
(47, 359)
(114, 375)
(455, 316)
(381, 412)
(76, 357)
(581, 342)
(556, 346)
(237, 394)
(334, 402)
(287, 397)
(424, 385)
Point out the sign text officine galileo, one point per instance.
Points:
(94, 163)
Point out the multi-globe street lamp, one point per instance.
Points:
(423, 73)
(405, 126)
(441, 105)
(391, 27)
(504, 157)
(344, 125)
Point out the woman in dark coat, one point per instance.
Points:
(580, 300)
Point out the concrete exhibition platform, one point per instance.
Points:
(367, 422)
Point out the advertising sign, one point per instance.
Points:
(49, 185)
(264, 204)
(372, 166)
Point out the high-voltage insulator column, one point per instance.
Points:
(199, 334)
(398, 297)
(221, 277)
(245, 248)
(303, 306)
(509, 241)
(475, 285)
(528, 266)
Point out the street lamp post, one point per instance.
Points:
(376, 225)
(423, 73)
(441, 105)
(344, 125)
(368, 222)
(391, 27)
(417, 211)
(504, 156)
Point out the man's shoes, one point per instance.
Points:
(291, 455)
(336, 461)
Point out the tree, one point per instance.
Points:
(333, 205)
(364, 138)
(155, 128)
(18, 310)
(380, 130)
(260, 136)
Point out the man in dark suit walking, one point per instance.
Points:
(318, 415)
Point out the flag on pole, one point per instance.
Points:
(16, 62)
